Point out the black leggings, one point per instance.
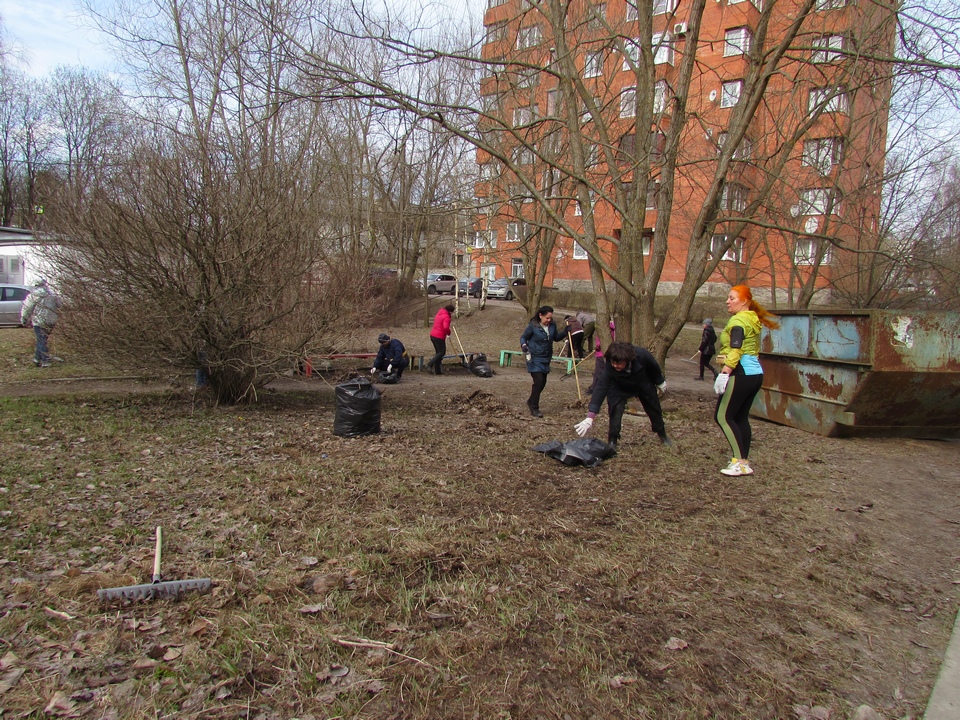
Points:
(733, 412)
(539, 383)
(440, 348)
(705, 363)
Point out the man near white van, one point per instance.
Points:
(41, 309)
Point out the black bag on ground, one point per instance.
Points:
(479, 366)
(389, 378)
(582, 451)
(357, 409)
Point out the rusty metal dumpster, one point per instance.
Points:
(863, 373)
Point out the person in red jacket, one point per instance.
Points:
(439, 335)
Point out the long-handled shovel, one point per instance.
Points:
(463, 355)
(157, 588)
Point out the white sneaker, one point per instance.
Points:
(736, 468)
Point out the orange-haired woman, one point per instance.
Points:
(741, 376)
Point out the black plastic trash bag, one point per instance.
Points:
(582, 451)
(389, 378)
(479, 366)
(357, 410)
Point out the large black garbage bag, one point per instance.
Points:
(582, 451)
(357, 410)
(479, 366)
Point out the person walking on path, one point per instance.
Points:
(41, 309)
(575, 334)
(631, 371)
(708, 341)
(741, 376)
(537, 345)
(439, 335)
(392, 356)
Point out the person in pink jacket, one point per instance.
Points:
(439, 335)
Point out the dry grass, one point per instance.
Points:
(440, 569)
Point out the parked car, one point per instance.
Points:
(439, 283)
(500, 289)
(473, 287)
(11, 299)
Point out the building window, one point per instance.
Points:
(743, 151)
(822, 153)
(662, 48)
(526, 79)
(660, 96)
(628, 102)
(829, 99)
(485, 238)
(513, 232)
(522, 116)
(806, 250)
(497, 32)
(489, 170)
(733, 197)
(732, 253)
(830, 4)
(553, 102)
(827, 49)
(593, 64)
(653, 192)
(736, 41)
(578, 252)
(816, 201)
(662, 7)
(516, 268)
(631, 53)
(592, 155)
(598, 14)
(730, 93)
(528, 37)
(523, 155)
(632, 12)
(578, 210)
(14, 265)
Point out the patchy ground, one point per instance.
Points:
(441, 569)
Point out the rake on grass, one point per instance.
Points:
(157, 588)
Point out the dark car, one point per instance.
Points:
(473, 287)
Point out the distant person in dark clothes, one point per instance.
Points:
(392, 356)
(575, 333)
(708, 341)
(589, 323)
(631, 371)
(439, 335)
(537, 345)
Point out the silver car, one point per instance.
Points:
(500, 289)
(440, 283)
(11, 300)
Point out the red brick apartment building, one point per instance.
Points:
(569, 85)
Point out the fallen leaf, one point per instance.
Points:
(199, 627)
(60, 706)
(262, 599)
(676, 644)
(308, 561)
(621, 680)
(322, 584)
(312, 609)
(57, 614)
(10, 678)
(172, 654)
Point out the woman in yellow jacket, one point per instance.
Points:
(741, 376)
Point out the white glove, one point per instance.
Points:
(389, 368)
(583, 427)
(720, 384)
(373, 371)
(662, 388)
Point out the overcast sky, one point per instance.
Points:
(51, 32)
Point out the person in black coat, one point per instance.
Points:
(392, 356)
(631, 371)
(536, 342)
(708, 348)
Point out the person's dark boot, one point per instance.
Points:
(535, 411)
(664, 440)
